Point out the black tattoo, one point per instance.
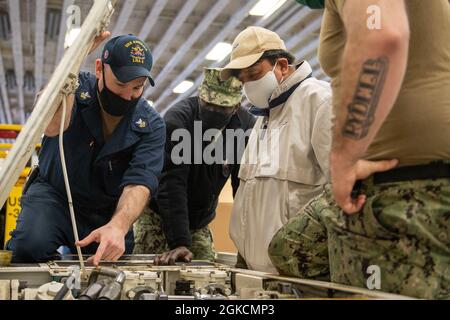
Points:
(361, 111)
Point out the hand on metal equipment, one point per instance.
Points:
(170, 257)
(112, 244)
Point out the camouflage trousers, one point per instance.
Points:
(149, 238)
(403, 230)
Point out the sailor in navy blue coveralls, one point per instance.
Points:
(98, 169)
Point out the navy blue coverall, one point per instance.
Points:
(98, 172)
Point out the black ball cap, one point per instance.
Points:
(129, 58)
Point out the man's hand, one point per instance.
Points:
(111, 240)
(98, 40)
(344, 174)
(170, 257)
(112, 236)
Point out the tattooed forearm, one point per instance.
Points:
(362, 109)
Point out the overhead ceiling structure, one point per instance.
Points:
(180, 33)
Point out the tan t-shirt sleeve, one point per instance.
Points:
(335, 5)
(424, 99)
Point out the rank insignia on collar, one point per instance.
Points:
(141, 124)
(85, 95)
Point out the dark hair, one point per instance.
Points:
(274, 55)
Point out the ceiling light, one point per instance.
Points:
(183, 87)
(266, 7)
(219, 52)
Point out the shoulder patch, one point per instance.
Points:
(140, 124)
(85, 95)
(86, 91)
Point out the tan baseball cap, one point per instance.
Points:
(248, 48)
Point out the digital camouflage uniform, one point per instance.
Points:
(150, 239)
(404, 229)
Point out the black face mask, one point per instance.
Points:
(112, 103)
(213, 119)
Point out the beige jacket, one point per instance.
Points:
(283, 167)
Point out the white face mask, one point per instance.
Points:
(258, 92)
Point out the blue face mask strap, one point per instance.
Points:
(276, 102)
(285, 96)
(289, 66)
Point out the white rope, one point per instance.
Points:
(66, 178)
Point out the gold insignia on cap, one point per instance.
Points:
(137, 54)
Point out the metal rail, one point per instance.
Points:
(326, 285)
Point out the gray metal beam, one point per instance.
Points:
(318, 74)
(178, 21)
(313, 26)
(235, 20)
(125, 14)
(39, 41)
(62, 31)
(152, 18)
(263, 22)
(307, 50)
(317, 69)
(4, 91)
(187, 45)
(293, 20)
(324, 77)
(16, 28)
(277, 18)
(314, 62)
(51, 97)
(188, 93)
(2, 113)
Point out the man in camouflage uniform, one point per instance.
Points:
(385, 219)
(176, 222)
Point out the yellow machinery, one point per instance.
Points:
(12, 207)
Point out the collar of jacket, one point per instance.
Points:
(285, 89)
